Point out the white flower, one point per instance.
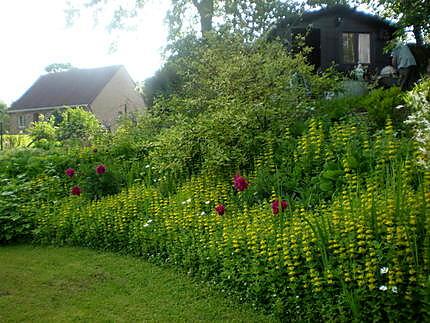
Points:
(147, 166)
(189, 200)
(203, 213)
(184, 202)
(383, 288)
(147, 223)
(383, 270)
(207, 202)
(394, 289)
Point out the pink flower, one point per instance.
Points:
(220, 209)
(275, 206)
(70, 172)
(240, 183)
(76, 190)
(101, 169)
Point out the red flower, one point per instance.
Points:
(101, 169)
(70, 172)
(275, 206)
(240, 183)
(284, 204)
(220, 209)
(76, 190)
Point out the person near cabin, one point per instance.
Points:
(387, 76)
(404, 61)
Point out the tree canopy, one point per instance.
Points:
(250, 17)
(58, 67)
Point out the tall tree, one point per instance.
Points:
(410, 13)
(248, 16)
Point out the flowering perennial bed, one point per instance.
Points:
(363, 255)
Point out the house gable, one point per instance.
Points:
(118, 97)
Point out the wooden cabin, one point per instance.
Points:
(340, 36)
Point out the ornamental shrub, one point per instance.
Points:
(78, 126)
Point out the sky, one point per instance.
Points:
(33, 34)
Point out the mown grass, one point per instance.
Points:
(70, 284)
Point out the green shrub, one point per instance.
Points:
(79, 126)
(418, 101)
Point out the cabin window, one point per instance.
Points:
(364, 48)
(21, 121)
(348, 48)
(356, 48)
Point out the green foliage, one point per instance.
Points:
(20, 199)
(58, 67)
(418, 101)
(357, 199)
(15, 141)
(43, 133)
(232, 92)
(74, 126)
(164, 83)
(378, 106)
(2, 111)
(383, 104)
(309, 263)
(250, 18)
(95, 185)
(79, 126)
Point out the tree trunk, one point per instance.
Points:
(206, 12)
(418, 35)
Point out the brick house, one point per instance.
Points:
(107, 92)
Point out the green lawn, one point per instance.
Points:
(71, 284)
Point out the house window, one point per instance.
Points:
(21, 121)
(356, 48)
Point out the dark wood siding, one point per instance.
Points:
(332, 24)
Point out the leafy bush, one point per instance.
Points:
(78, 125)
(379, 105)
(43, 133)
(418, 100)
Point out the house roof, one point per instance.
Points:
(346, 11)
(295, 19)
(70, 88)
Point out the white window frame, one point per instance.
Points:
(364, 48)
(21, 121)
(361, 47)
